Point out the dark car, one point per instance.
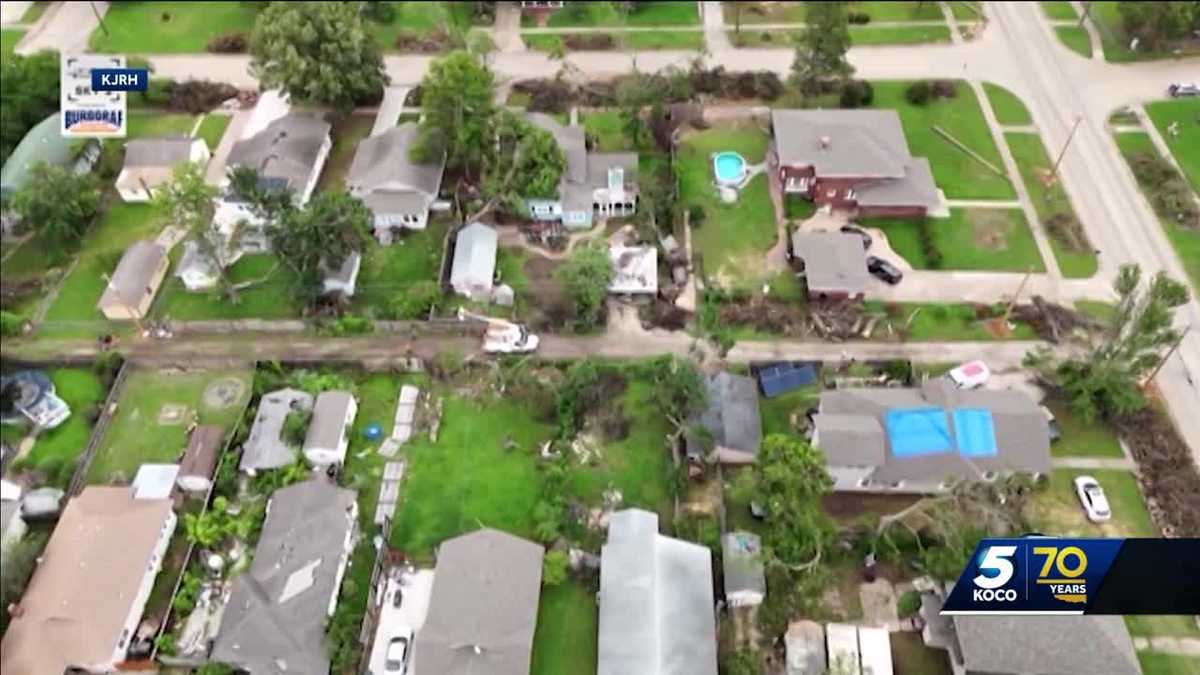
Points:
(858, 232)
(884, 270)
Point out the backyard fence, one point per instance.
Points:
(84, 463)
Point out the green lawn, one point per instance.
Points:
(169, 27)
(1101, 311)
(1172, 625)
(1009, 108)
(1060, 9)
(272, 299)
(910, 655)
(605, 128)
(1076, 39)
(59, 447)
(135, 435)
(859, 35)
(733, 237)
(1056, 510)
(347, 134)
(1080, 439)
(954, 322)
(1186, 146)
(377, 394)
(1158, 663)
(119, 227)
(9, 37)
(422, 18)
(682, 39)
(793, 12)
(1186, 241)
(777, 412)
(958, 174)
(387, 271)
(1075, 259)
(995, 240)
(586, 14)
(1107, 18)
(212, 129)
(467, 479)
(567, 630)
(156, 124)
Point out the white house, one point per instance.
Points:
(150, 162)
(86, 597)
(328, 430)
(398, 191)
(474, 265)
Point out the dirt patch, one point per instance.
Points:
(990, 228)
(1066, 519)
(172, 414)
(224, 393)
(549, 306)
(845, 506)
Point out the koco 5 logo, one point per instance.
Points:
(995, 570)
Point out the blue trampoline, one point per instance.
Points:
(975, 432)
(918, 431)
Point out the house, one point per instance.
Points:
(852, 159)
(12, 525)
(732, 427)
(197, 269)
(745, 580)
(150, 162)
(155, 481)
(398, 191)
(265, 447)
(200, 459)
(635, 270)
(344, 280)
(1016, 645)
(278, 608)
(924, 439)
(594, 184)
(834, 264)
(131, 288)
(656, 601)
(43, 143)
(329, 428)
(804, 645)
(483, 606)
(86, 597)
(29, 396)
(473, 268)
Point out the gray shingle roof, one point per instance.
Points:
(1022, 436)
(916, 187)
(656, 601)
(833, 261)
(382, 167)
(741, 555)
(474, 255)
(598, 164)
(134, 274)
(264, 447)
(274, 623)
(287, 149)
(848, 143)
(161, 152)
(732, 415)
(1060, 645)
(570, 141)
(483, 607)
(203, 451)
(328, 419)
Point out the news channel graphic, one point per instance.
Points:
(92, 91)
(1047, 575)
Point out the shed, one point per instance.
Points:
(200, 459)
(745, 582)
(474, 265)
(155, 481)
(875, 650)
(805, 643)
(841, 643)
(327, 438)
(780, 378)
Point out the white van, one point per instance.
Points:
(970, 375)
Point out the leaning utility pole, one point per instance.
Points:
(1062, 153)
(1163, 361)
(99, 18)
(1013, 303)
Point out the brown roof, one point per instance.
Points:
(200, 458)
(76, 604)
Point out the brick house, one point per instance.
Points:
(852, 159)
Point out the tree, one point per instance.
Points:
(1106, 380)
(29, 95)
(59, 204)
(416, 301)
(789, 480)
(554, 568)
(679, 391)
(523, 161)
(586, 275)
(633, 95)
(319, 236)
(821, 48)
(187, 202)
(459, 112)
(1155, 24)
(318, 52)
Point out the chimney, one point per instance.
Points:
(826, 142)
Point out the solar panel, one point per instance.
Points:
(781, 378)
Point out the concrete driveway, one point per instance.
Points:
(414, 588)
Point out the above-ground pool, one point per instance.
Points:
(729, 167)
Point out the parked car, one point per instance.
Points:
(1052, 425)
(860, 233)
(1091, 495)
(884, 270)
(1180, 89)
(399, 651)
(970, 375)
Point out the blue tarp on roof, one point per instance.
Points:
(784, 377)
(975, 432)
(918, 431)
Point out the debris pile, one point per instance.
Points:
(765, 314)
(1052, 322)
(1167, 471)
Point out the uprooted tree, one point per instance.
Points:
(318, 237)
(186, 201)
(586, 275)
(1105, 381)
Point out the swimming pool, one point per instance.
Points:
(729, 167)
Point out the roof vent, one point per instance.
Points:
(826, 142)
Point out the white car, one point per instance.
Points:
(1181, 89)
(1091, 495)
(399, 651)
(970, 375)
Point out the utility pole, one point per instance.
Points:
(1087, 12)
(1062, 153)
(1178, 341)
(99, 18)
(1013, 303)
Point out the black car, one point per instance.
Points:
(859, 232)
(884, 270)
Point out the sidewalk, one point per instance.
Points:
(1093, 463)
(64, 27)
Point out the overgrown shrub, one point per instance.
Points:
(350, 325)
(589, 42)
(554, 568)
(696, 215)
(1170, 196)
(1065, 227)
(417, 301)
(111, 160)
(199, 96)
(158, 92)
(381, 12)
(908, 604)
(227, 43)
(10, 324)
(411, 41)
(944, 88)
(859, 18)
(919, 92)
(929, 244)
(857, 94)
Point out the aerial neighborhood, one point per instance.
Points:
(612, 338)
